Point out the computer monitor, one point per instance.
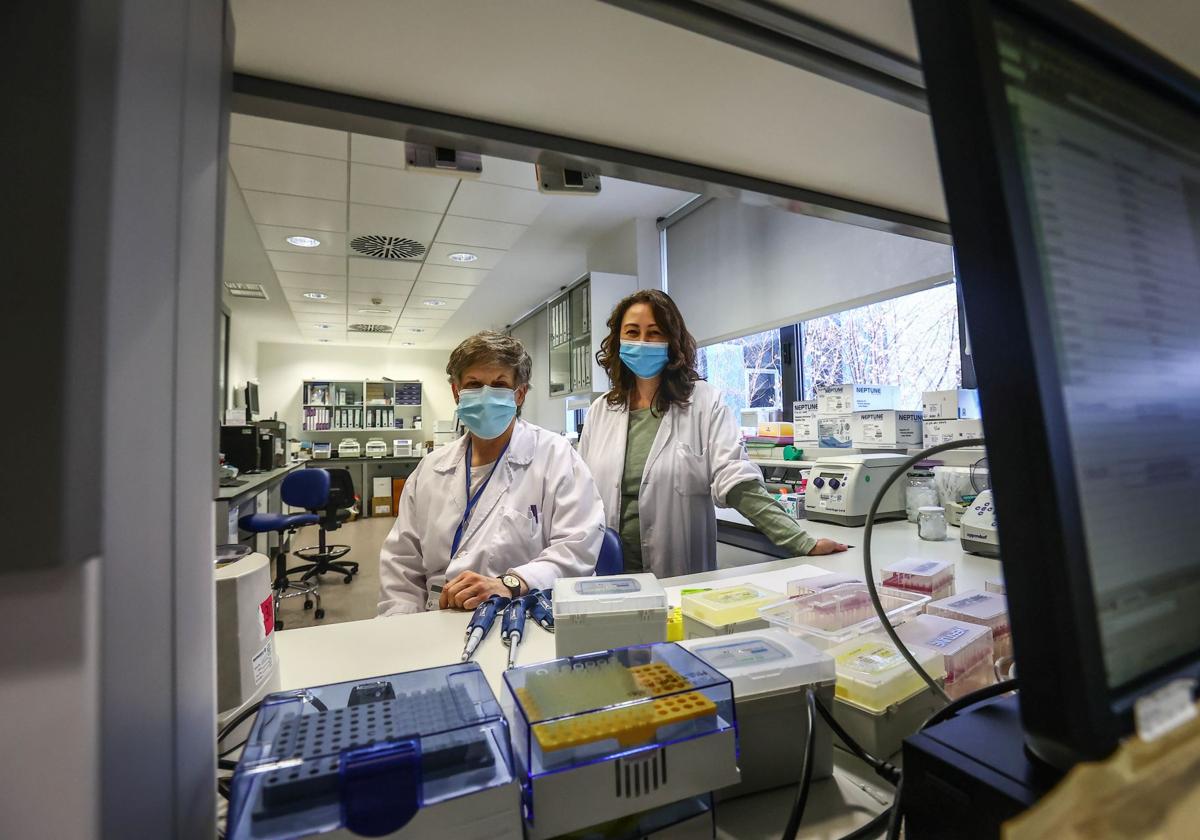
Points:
(1070, 156)
(252, 398)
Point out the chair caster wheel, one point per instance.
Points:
(347, 578)
(308, 605)
(278, 624)
(319, 613)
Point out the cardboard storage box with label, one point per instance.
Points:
(887, 428)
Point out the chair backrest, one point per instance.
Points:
(341, 489)
(305, 488)
(612, 557)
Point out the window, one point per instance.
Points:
(910, 341)
(747, 370)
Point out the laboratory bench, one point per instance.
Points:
(258, 494)
(358, 649)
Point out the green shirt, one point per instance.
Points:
(749, 498)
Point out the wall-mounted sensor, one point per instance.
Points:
(427, 157)
(561, 180)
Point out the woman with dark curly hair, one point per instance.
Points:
(664, 449)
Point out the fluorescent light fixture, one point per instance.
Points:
(463, 257)
(374, 312)
(322, 326)
(303, 241)
(316, 296)
(433, 302)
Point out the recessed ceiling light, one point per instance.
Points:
(323, 340)
(316, 296)
(433, 302)
(463, 257)
(416, 329)
(374, 312)
(322, 326)
(407, 344)
(303, 241)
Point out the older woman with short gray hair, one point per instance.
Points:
(506, 509)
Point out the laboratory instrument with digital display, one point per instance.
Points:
(841, 489)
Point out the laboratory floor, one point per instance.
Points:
(343, 601)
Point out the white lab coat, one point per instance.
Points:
(697, 458)
(539, 470)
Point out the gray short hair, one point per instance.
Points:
(490, 348)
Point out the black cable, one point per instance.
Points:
(888, 771)
(235, 747)
(896, 816)
(806, 769)
(241, 717)
(877, 825)
(869, 573)
(226, 764)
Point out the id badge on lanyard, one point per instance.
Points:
(472, 501)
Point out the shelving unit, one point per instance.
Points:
(578, 323)
(333, 405)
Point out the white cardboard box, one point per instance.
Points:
(806, 429)
(958, 404)
(836, 431)
(846, 399)
(804, 408)
(944, 431)
(887, 428)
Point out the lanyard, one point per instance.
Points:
(473, 500)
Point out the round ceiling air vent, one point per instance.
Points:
(387, 247)
(369, 328)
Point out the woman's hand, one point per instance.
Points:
(826, 547)
(468, 590)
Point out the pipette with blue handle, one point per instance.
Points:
(512, 628)
(542, 609)
(481, 622)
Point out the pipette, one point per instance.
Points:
(513, 625)
(542, 610)
(481, 622)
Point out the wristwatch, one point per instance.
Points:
(513, 583)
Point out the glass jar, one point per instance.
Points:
(931, 522)
(921, 491)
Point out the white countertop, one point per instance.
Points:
(359, 649)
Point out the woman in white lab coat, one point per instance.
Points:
(664, 449)
(507, 508)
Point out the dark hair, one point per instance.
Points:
(678, 377)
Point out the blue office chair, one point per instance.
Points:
(612, 558)
(301, 488)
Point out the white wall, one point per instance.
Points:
(630, 248)
(243, 354)
(734, 269)
(282, 368)
(540, 408)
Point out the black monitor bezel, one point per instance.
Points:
(1068, 710)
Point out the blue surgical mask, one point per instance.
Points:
(487, 411)
(645, 358)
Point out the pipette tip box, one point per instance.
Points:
(840, 613)
(819, 583)
(979, 607)
(880, 699)
(732, 609)
(600, 613)
(771, 670)
(934, 578)
(435, 741)
(606, 735)
(966, 650)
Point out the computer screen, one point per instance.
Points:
(252, 397)
(1111, 177)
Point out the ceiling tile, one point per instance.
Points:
(275, 239)
(380, 285)
(478, 200)
(296, 211)
(317, 310)
(446, 274)
(310, 282)
(371, 339)
(397, 188)
(439, 254)
(290, 137)
(442, 290)
(367, 219)
(365, 298)
(411, 321)
(510, 173)
(384, 269)
(484, 234)
(308, 263)
(380, 151)
(270, 170)
(307, 323)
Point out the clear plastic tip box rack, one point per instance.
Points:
(606, 735)
(421, 754)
